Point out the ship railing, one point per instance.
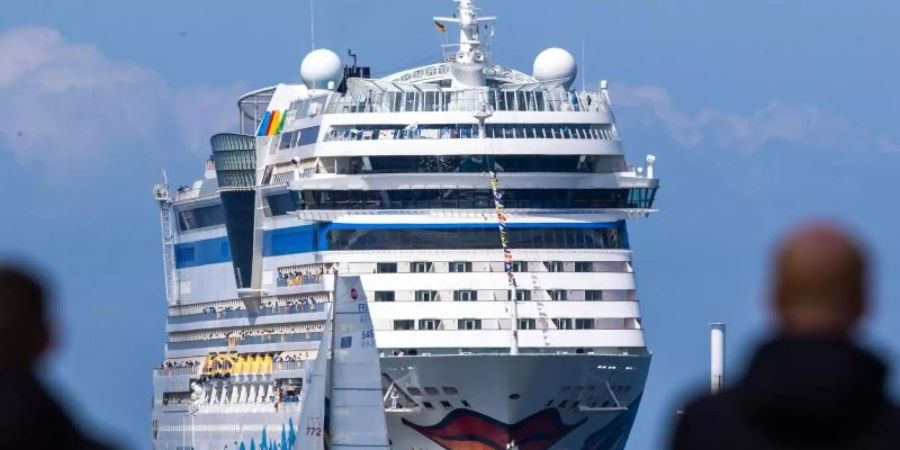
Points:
(525, 324)
(283, 177)
(242, 313)
(248, 340)
(288, 365)
(298, 280)
(551, 100)
(470, 131)
(277, 366)
(643, 203)
(187, 194)
(177, 371)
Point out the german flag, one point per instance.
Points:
(440, 26)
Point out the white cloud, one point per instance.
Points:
(779, 120)
(65, 102)
(216, 105)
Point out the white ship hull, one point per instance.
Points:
(510, 398)
(518, 398)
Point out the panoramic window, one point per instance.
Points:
(429, 324)
(384, 296)
(386, 268)
(562, 324)
(420, 266)
(554, 266)
(282, 204)
(469, 324)
(207, 216)
(477, 238)
(426, 296)
(474, 164)
(522, 296)
(477, 198)
(459, 266)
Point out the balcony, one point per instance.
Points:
(239, 313)
(312, 336)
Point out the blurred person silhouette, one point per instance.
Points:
(809, 387)
(29, 417)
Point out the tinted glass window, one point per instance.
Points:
(384, 296)
(206, 216)
(308, 136)
(479, 198)
(282, 204)
(478, 238)
(386, 268)
(459, 266)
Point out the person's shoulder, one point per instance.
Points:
(707, 422)
(711, 407)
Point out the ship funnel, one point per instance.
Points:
(716, 356)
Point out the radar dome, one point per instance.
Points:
(554, 64)
(319, 67)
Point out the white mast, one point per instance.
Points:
(716, 356)
(312, 26)
(470, 59)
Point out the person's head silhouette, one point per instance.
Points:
(820, 286)
(24, 334)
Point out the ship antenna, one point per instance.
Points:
(312, 25)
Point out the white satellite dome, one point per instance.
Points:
(554, 64)
(319, 67)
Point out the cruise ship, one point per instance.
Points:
(485, 211)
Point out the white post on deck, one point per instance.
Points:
(716, 356)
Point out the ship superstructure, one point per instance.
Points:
(484, 210)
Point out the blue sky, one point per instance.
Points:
(762, 114)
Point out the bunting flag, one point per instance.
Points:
(440, 27)
(501, 225)
(271, 123)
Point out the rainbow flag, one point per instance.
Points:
(271, 123)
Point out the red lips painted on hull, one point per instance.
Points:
(465, 429)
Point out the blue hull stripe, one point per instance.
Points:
(311, 238)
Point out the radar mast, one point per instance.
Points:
(470, 59)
